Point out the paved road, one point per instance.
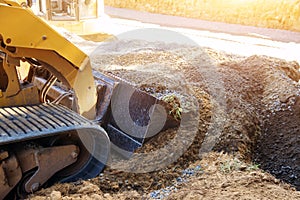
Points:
(175, 21)
(232, 38)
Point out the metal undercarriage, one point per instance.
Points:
(55, 134)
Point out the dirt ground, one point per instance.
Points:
(246, 145)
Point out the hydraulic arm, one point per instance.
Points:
(24, 35)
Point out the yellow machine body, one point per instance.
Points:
(31, 37)
(38, 138)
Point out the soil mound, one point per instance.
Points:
(248, 107)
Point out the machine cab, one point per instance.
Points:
(68, 9)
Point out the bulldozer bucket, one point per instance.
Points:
(129, 115)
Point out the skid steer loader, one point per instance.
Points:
(58, 117)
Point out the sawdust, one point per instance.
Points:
(235, 96)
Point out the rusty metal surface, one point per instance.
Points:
(10, 175)
(48, 161)
(54, 92)
(3, 155)
(105, 86)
